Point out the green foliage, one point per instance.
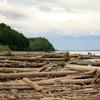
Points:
(40, 44)
(4, 47)
(12, 38)
(16, 41)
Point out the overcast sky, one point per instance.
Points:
(68, 24)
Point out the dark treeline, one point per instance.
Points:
(14, 39)
(17, 41)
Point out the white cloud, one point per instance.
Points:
(64, 17)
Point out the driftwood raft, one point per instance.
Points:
(49, 76)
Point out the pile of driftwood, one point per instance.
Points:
(49, 76)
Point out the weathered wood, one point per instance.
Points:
(2, 65)
(35, 59)
(22, 85)
(34, 85)
(73, 98)
(10, 61)
(36, 65)
(85, 62)
(82, 56)
(82, 68)
(66, 82)
(74, 55)
(15, 70)
(25, 87)
(82, 76)
(84, 98)
(4, 76)
(53, 55)
(22, 64)
(45, 67)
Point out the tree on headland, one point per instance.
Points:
(12, 38)
(40, 44)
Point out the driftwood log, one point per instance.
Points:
(16, 70)
(85, 62)
(4, 76)
(21, 58)
(82, 68)
(19, 84)
(34, 85)
(22, 64)
(35, 59)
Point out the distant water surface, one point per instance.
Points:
(83, 52)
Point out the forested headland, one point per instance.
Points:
(11, 39)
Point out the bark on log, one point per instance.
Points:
(53, 55)
(15, 70)
(36, 65)
(9, 61)
(82, 76)
(35, 59)
(74, 55)
(22, 65)
(35, 74)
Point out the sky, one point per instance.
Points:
(67, 24)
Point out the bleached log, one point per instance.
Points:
(85, 62)
(82, 68)
(34, 85)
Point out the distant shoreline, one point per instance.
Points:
(96, 52)
(77, 50)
